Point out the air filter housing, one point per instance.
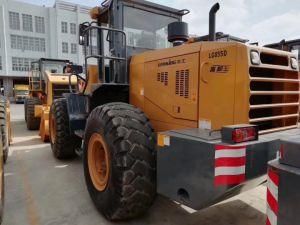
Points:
(178, 33)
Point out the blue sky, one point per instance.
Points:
(265, 21)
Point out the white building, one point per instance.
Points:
(29, 32)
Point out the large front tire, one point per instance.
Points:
(120, 161)
(63, 143)
(33, 123)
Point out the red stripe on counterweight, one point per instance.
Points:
(272, 202)
(274, 177)
(230, 162)
(226, 180)
(268, 222)
(223, 147)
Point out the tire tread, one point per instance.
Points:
(65, 143)
(131, 139)
(33, 123)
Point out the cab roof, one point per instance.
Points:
(106, 6)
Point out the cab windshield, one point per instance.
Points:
(53, 67)
(145, 29)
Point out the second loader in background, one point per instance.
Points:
(20, 93)
(48, 79)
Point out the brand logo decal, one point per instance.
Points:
(172, 62)
(220, 69)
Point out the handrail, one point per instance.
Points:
(273, 118)
(87, 34)
(263, 106)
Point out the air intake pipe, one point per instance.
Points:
(212, 21)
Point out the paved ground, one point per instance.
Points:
(43, 191)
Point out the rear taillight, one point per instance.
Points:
(244, 134)
(239, 133)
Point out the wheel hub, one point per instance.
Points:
(98, 161)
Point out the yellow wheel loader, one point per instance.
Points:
(20, 93)
(48, 80)
(193, 120)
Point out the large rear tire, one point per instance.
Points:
(63, 143)
(4, 128)
(33, 123)
(120, 161)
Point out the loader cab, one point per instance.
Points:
(124, 28)
(145, 23)
(51, 65)
(40, 67)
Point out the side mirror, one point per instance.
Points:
(83, 37)
(76, 69)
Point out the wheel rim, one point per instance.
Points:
(52, 129)
(98, 161)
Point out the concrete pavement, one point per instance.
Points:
(40, 190)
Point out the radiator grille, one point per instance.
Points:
(182, 83)
(163, 77)
(274, 99)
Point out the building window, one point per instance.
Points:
(31, 44)
(27, 43)
(65, 47)
(40, 45)
(27, 22)
(74, 48)
(19, 42)
(64, 27)
(14, 21)
(90, 50)
(72, 28)
(0, 63)
(21, 64)
(13, 41)
(39, 24)
(43, 44)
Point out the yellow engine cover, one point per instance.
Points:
(186, 87)
(213, 84)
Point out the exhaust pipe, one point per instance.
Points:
(212, 21)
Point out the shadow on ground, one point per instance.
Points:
(235, 212)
